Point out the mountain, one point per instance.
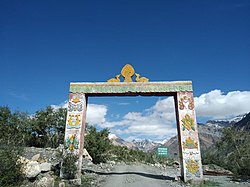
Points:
(120, 142)
(244, 123)
(146, 145)
(143, 145)
(226, 122)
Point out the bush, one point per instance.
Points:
(11, 142)
(10, 168)
(69, 167)
(97, 144)
(231, 152)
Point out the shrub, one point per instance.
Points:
(11, 142)
(97, 144)
(69, 167)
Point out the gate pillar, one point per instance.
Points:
(75, 129)
(189, 146)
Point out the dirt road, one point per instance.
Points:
(138, 176)
(142, 175)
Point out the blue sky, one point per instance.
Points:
(45, 45)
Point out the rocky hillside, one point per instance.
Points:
(120, 142)
(243, 124)
(146, 145)
(143, 145)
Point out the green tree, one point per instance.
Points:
(47, 127)
(231, 152)
(97, 144)
(12, 139)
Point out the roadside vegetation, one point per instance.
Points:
(231, 152)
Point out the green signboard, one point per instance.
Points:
(162, 151)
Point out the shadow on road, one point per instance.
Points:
(161, 177)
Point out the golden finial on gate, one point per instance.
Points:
(128, 72)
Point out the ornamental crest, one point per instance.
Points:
(128, 72)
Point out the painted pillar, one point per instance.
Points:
(75, 128)
(189, 146)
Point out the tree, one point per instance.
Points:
(97, 144)
(48, 127)
(11, 143)
(231, 152)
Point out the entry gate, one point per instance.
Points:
(189, 146)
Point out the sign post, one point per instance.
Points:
(162, 151)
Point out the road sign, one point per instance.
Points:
(162, 151)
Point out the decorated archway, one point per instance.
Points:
(189, 146)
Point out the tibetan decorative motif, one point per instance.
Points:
(76, 100)
(128, 72)
(75, 107)
(140, 79)
(71, 143)
(74, 121)
(184, 101)
(116, 79)
(192, 166)
(188, 123)
(190, 144)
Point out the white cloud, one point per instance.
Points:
(96, 114)
(123, 104)
(62, 105)
(216, 104)
(151, 123)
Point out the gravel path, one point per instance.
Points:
(139, 175)
(142, 175)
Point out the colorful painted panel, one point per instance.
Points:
(130, 87)
(71, 143)
(75, 107)
(192, 168)
(74, 121)
(188, 123)
(190, 144)
(186, 103)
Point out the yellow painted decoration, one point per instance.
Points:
(140, 79)
(128, 72)
(190, 144)
(74, 122)
(116, 79)
(76, 100)
(184, 100)
(188, 123)
(192, 166)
